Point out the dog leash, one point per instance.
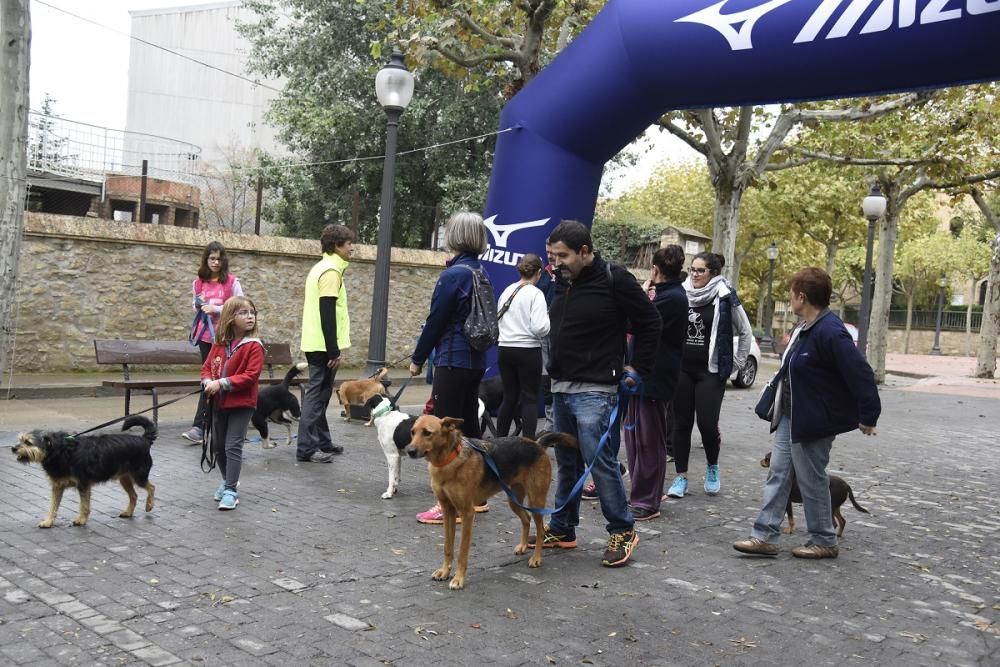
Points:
(624, 393)
(395, 399)
(121, 419)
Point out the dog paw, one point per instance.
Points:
(388, 494)
(149, 505)
(269, 445)
(457, 583)
(47, 523)
(440, 574)
(79, 522)
(535, 561)
(124, 515)
(521, 549)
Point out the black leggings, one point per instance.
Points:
(521, 372)
(456, 394)
(698, 393)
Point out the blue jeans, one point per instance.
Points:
(809, 461)
(586, 416)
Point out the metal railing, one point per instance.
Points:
(89, 152)
(951, 320)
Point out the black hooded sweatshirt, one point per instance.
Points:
(590, 318)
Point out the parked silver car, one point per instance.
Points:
(746, 376)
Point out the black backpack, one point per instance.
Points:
(481, 326)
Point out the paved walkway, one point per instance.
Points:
(314, 568)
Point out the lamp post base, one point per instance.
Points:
(766, 342)
(935, 351)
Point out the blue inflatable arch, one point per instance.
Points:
(640, 58)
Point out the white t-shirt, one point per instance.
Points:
(526, 322)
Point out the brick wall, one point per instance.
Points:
(82, 279)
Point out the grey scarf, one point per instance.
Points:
(699, 296)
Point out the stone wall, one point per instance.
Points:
(83, 279)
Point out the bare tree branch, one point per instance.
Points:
(862, 161)
(789, 164)
(964, 181)
(984, 207)
(857, 113)
(683, 135)
(472, 61)
(487, 36)
(706, 118)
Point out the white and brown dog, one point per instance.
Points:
(393, 429)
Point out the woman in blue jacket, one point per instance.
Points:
(825, 387)
(458, 368)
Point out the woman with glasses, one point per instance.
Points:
(211, 289)
(715, 315)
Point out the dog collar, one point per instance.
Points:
(451, 457)
(380, 412)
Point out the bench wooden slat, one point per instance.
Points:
(172, 352)
(149, 384)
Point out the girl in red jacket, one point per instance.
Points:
(230, 376)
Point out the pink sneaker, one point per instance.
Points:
(435, 515)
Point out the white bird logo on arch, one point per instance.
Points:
(724, 23)
(502, 232)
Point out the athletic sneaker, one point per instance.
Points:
(193, 434)
(620, 548)
(712, 484)
(553, 541)
(644, 513)
(756, 547)
(679, 488)
(435, 515)
(222, 489)
(229, 500)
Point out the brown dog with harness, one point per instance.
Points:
(461, 479)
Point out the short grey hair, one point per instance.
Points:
(465, 232)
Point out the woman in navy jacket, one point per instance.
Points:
(825, 387)
(457, 367)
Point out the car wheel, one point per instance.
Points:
(746, 377)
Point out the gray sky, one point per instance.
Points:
(84, 67)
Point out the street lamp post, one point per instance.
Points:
(874, 208)
(394, 89)
(936, 348)
(767, 340)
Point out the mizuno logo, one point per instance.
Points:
(737, 28)
(725, 23)
(502, 232)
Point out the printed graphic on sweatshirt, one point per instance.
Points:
(696, 329)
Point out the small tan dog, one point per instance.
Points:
(357, 392)
(461, 480)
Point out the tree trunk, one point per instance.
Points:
(878, 329)
(726, 225)
(15, 29)
(968, 324)
(986, 351)
(761, 304)
(909, 323)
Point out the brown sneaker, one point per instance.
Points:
(620, 548)
(756, 547)
(551, 540)
(811, 550)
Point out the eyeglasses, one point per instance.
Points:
(699, 271)
(246, 313)
(214, 259)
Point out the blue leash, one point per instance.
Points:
(624, 392)
(201, 316)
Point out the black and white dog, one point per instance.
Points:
(393, 430)
(277, 404)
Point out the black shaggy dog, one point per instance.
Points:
(276, 403)
(87, 460)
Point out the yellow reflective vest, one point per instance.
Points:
(312, 329)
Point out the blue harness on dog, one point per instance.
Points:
(624, 392)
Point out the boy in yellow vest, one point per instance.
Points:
(325, 334)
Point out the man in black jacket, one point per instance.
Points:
(596, 304)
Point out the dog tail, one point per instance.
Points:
(551, 439)
(850, 494)
(148, 428)
(381, 373)
(293, 372)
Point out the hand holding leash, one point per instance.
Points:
(414, 369)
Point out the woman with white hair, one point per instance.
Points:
(458, 367)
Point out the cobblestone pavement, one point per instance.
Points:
(314, 568)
